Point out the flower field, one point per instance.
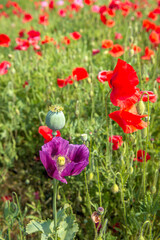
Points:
(80, 120)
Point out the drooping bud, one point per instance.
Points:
(55, 118)
(100, 210)
(115, 188)
(140, 107)
(153, 190)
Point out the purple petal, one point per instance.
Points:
(74, 168)
(50, 166)
(78, 153)
(57, 146)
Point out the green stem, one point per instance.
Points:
(122, 198)
(54, 206)
(144, 164)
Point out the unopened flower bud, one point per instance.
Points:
(115, 188)
(58, 197)
(91, 94)
(79, 198)
(91, 175)
(140, 107)
(100, 210)
(13, 71)
(144, 132)
(89, 80)
(17, 111)
(84, 137)
(55, 118)
(131, 170)
(10, 55)
(75, 84)
(153, 190)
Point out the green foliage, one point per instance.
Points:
(66, 228)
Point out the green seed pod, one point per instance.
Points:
(140, 107)
(144, 132)
(115, 188)
(55, 118)
(58, 197)
(91, 175)
(91, 93)
(89, 80)
(153, 190)
(131, 170)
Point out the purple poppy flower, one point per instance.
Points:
(62, 159)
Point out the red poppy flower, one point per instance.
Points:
(27, 18)
(158, 79)
(128, 119)
(43, 19)
(103, 19)
(4, 40)
(23, 44)
(26, 83)
(110, 12)
(105, 76)
(75, 35)
(136, 48)
(118, 36)
(141, 156)
(152, 96)
(116, 51)
(21, 33)
(33, 37)
(62, 12)
(116, 226)
(47, 39)
(153, 16)
(51, 4)
(116, 140)
(139, 14)
(154, 38)
(4, 66)
(88, 2)
(115, 4)
(110, 23)
(79, 73)
(66, 40)
(46, 132)
(63, 82)
(148, 25)
(148, 54)
(7, 198)
(124, 81)
(95, 51)
(107, 43)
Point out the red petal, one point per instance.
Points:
(79, 73)
(123, 81)
(46, 133)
